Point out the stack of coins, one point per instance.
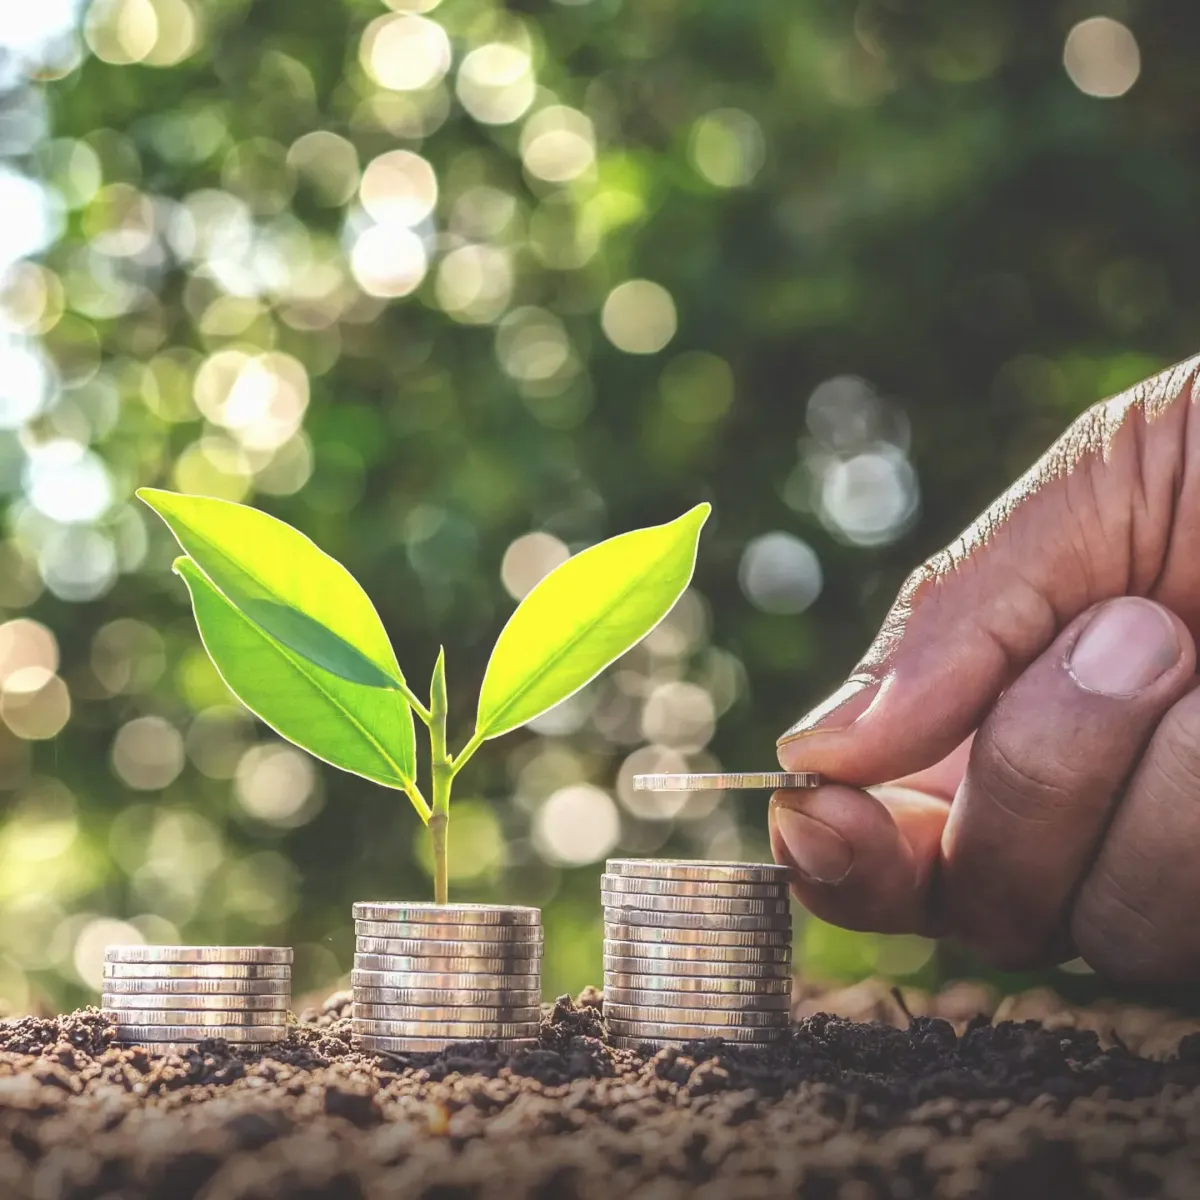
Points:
(431, 976)
(173, 996)
(696, 950)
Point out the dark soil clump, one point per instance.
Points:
(1081, 1103)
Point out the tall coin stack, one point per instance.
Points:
(428, 976)
(173, 996)
(696, 950)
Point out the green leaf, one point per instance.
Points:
(366, 730)
(584, 615)
(284, 583)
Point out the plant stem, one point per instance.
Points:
(460, 759)
(415, 704)
(443, 776)
(438, 831)
(418, 801)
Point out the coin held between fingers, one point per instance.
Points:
(727, 781)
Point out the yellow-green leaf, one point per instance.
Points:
(584, 615)
(363, 729)
(283, 582)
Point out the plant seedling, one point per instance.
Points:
(299, 642)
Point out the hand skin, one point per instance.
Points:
(1019, 750)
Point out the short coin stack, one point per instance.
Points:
(172, 996)
(427, 976)
(696, 950)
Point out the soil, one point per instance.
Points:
(949, 1096)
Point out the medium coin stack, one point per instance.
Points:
(174, 996)
(696, 950)
(428, 976)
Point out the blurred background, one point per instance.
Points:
(459, 288)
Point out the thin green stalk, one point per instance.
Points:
(443, 776)
(413, 791)
(415, 704)
(460, 759)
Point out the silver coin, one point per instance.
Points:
(417, 931)
(257, 1034)
(636, 886)
(701, 871)
(707, 970)
(191, 1016)
(620, 931)
(278, 955)
(437, 1045)
(724, 954)
(495, 1030)
(424, 980)
(693, 1033)
(430, 1012)
(640, 1043)
(695, 1016)
(195, 971)
(177, 1000)
(727, 781)
(694, 904)
(775, 922)
(183, 1049)
(648, 981)
(448, 998)
(448, 914)
(740, 1002)
(423, 949)
(279, 988)
(508, 965)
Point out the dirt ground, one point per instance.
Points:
(1025, 1099)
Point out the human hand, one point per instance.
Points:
(1030, 707)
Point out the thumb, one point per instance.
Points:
(1095, 517)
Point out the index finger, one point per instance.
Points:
(1095, 518)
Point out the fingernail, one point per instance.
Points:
(816, 851)
(836, 713)
(1129, 644)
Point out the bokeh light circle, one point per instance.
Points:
(495, 83)
(1102, 58)
(558, 144)
(405, 52)
(474, 283)
(528, 560)
(398, 188)
(576, 825)
(727, 147)
(147, 753)
(276, 784)
(779, 573)
(871, 498)
(639, 317)
(388, 261)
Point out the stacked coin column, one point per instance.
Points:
(696, 950)
(167, 997)
(428, 976)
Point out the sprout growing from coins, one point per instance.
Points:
(298, 641)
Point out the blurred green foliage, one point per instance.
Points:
(456, 288)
